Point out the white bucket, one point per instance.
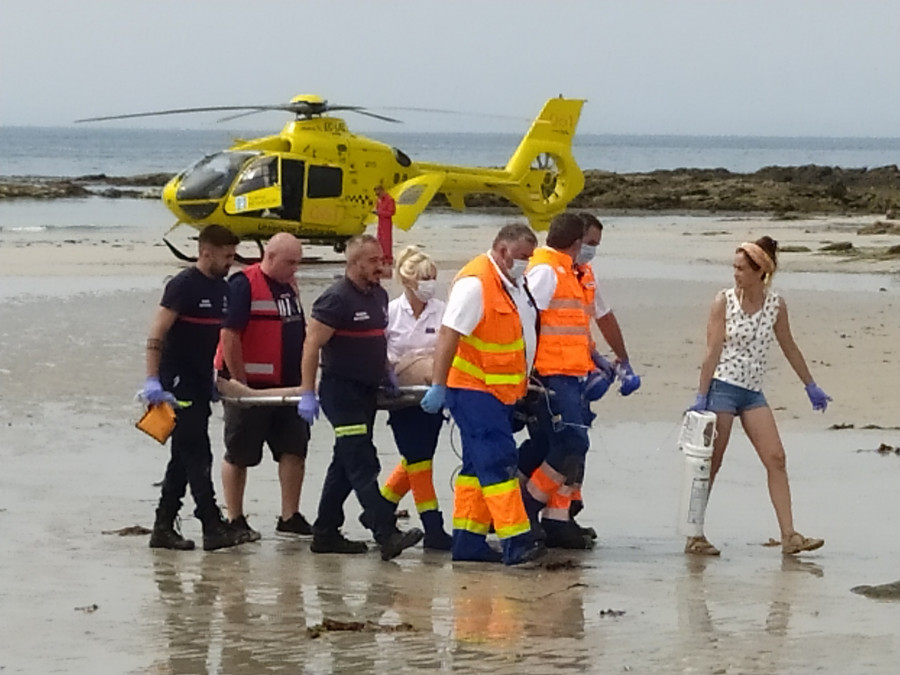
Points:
(698, 429)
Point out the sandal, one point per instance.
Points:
(700, 546)
(797, 543)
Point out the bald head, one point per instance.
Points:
(282, 257)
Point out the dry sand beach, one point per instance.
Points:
(74, 309)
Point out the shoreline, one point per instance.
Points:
(784, 191)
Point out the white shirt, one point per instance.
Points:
(407, 334)
(747, 341)
(542, 284)
(465, 309)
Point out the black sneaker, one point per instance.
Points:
(394, 544)
(336, 543)
(296, 525)
(221, 535)
(242, 527)
(537, 551)
(168, 537)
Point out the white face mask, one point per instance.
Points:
(425, 289)
(517, 271)
(586, 254)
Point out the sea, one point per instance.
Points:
(84, 150)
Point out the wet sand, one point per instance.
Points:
(72, 324)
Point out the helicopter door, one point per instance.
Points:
(323, 203)
(257, 188)
(291, 189)
(413, 196)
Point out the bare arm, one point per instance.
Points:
(233, 353)
(162, 322)
(715, 340)
(444, 352)
(612, 333)
(786, 341)
(317, 335)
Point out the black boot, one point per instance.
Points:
(394, 544)
(574, 509)
(533, 508)
(435, 536)
(565, 534)
(219, 534)
(165, 535)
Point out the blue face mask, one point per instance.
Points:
(586, 254)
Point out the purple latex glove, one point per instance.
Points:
(603, 364)
(596, 384)
(701, 403)
(308, 407)
(391, 386)
(154, 394)
(817, 397)
(630, 382)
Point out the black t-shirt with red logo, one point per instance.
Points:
(358, 349)
(190, 344)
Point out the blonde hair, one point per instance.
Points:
(413, 264)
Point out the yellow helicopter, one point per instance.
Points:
(317, 180)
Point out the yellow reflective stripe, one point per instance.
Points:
(564, 330)
(390, 495)
(471, 369)
(472, 526)
(351, 430)
(468, 481)
(513, 530)
(501, 488)
(483, 346)
(430, 505)
(565, 303)
(424, 465)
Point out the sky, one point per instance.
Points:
(699, 67)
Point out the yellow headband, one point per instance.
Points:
(759, 256)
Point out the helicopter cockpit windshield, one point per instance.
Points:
(211, 177)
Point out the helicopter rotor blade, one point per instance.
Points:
(376, 116)
(180, 111)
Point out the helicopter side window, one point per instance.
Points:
(211, 177)
(260, 174)
(324, 181)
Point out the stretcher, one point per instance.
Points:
(240, 394)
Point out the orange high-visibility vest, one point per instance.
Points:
(492, 358)
(564, 343)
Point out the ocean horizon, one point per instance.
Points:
(78, 151)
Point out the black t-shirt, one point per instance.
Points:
(358, 349)
(293, 321)
(190, 344)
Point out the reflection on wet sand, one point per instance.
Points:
(247, 611)
(746, 643)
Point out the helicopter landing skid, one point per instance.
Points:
(244, 260)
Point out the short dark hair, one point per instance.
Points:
(354, 244)
(515, 232)
(217, 235)
(590, 220)
(565, 230)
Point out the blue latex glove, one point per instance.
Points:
(630, 382)
(433, 400)
(701, 402)
(308, 407)
(154, 394)
(596, 385)
(603, 364)
(817, 397)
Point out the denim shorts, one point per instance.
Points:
(730, 398)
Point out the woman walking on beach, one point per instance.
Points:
(414, 319)
(742, 324)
